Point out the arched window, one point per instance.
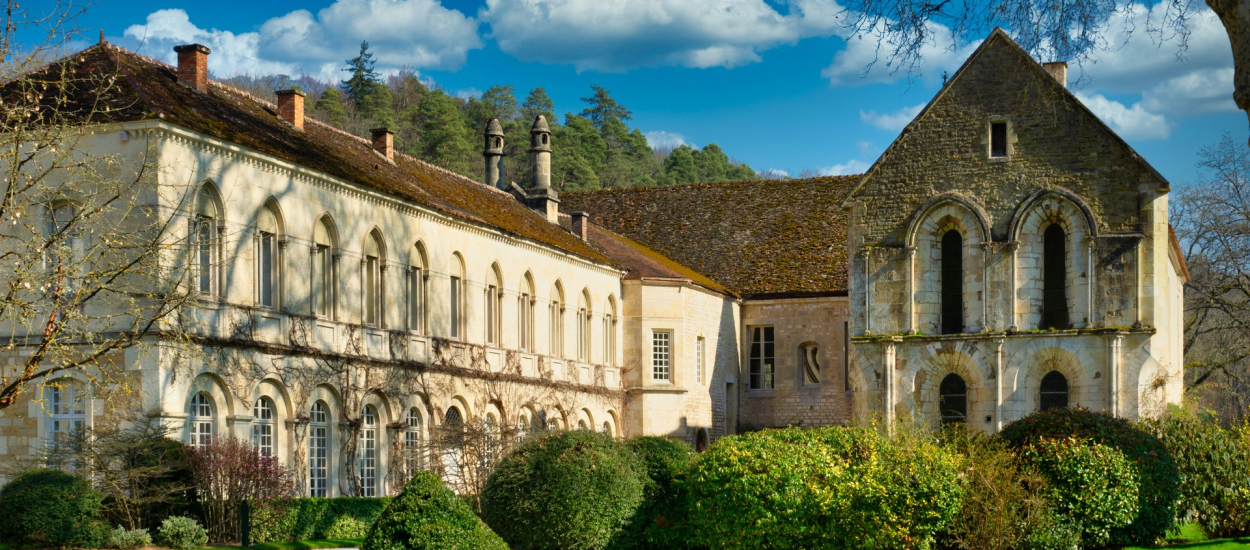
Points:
(953, 399)
(609, 333)
(412, 440)
(323, 280)
(368, 451)
(416, 290)
(262, 426)
(68, 421)
(557, 321)
(1053, 393)
(583, 327)
(952, 283)
(700, 440)
(201, 420)
(522, 426)
(204, 233)
(525, 307)
(1054, 278)
(456, 296)
(581, 424)
(493, 305)
(453, 420)
(268, 262)
(373, 294)
(318, 450)
(607, 427)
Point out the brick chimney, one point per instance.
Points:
(291, 107)
(384, 142)
(1059, 70)
(581, 224)
(193, 66)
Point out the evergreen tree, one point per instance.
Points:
(375, 107)
(739, 172)
(330, 107)
(360, 84)
(603, 108)
(502, 103)
(712, 163)
(443, 134)
(537, 103)
(680, 165)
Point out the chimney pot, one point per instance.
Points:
(1059, 70)
(384, 142)
(291, 107)
(193, 66)
(581, 224)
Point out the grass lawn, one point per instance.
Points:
(298, 545)
(1192, 537)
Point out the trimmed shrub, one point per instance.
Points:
(182, 533)
(427, 515)
(53, 508)
(1212, 462)
(660, 520)
(125, 539)
(1003, 505)
(290, 520)
(1091, 484)
(1156, 470)
(574, 489)
(821, 488)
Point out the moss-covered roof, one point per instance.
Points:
(149, 90)
(755, 238)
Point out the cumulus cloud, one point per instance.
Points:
(618, 35)
(892, 122)
(660, 139)
(415, 33)
(853, 166)
(1134, 122)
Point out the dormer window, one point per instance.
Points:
(998, 140)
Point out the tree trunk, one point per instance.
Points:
(1235, 14)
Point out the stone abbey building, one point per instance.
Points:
(1007, 253)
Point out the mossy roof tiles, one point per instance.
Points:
(756, 238)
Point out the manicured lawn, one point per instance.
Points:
(1192, 537)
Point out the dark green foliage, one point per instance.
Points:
(360, 84)
(1091, 484)
(660, 520)
(288, 520)
(537, 103)
(444, 135)
(329, 108)
(821, 488)
(574, 489)
(52, 508)
(1156, 509)
(680, 165)
(1214, 466)
(427, 515)
(603, 109)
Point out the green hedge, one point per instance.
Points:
(1214, 465)
(289, 520)
(51, 508)
(428, 516)
(1091, 484)
(660, 521)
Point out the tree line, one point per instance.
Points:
(593, 149)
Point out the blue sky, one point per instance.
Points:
(773, 82)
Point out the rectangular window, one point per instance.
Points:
(322, 280)
(318, 459)
(583, 335)
(525, 323)
(998, 139)
(206, 259)
(455, 307)
(492, 314)
(609, 341)
(699, 357)
(268, 244)
(557, 330)
(371, 290)
(661, 355)
(416, 283)
(761, 361)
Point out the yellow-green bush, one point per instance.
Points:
(428, 516)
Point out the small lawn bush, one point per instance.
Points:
(428, 516)
(125, 539)
(660, 520)
(1156, 470)
(574, 489)
(1213, 465)
(1003, 506)
(1093, 485)
(182, 533)
(822, 488)
(52, 508)
(290, 520)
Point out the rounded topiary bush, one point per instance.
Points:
(821, 488)
(1089, 483)
(182, 533)
(1156, 470)
(659, 521)
(427, 515)
(573, 489)
(53, 508)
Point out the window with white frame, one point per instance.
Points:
(267, 259)
(493, 300)
(525, 324)
(661, 355)
(68, 421)
(262, 426)
(556, 315)
(323, 270)
(63, 254)
(373, 284)
(456, 293)
(761, 358)
(412, 440)
(201, 420)
(204, 231)
(416, 299)
(367, 450)
(700, 350)
(583, 334)
(319, 450)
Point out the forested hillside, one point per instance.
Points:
(593, 149)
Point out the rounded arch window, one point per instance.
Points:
(453, 418)
(1054, 278)
(607, 427)
(262, 426)
(952, 274)
(412, 439)
(1054, 391)
(953, 399)
(318, 449)
(700, 440)
(201, 420)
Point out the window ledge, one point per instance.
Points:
(761, 393)
(665, 388)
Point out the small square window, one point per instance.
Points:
(998, 139)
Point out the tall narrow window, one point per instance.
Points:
(953, 399)
(556, 316)
(267, 262)
(952, 283)
(609, 339)
(374, 286)
(525, 325)
(368, 451)
(583, 335)
(699, 357)
(323, 270)
(201, 420)
(412, 440)
(416, 299)
(204, 240)
(262, 426)
(455, 294)
(1053, 393)
(661, 355)
(761, 360)
(1054, 278)
(492, 314)
(64, 255)
(318, 450)
(998, 139)
(69, 417)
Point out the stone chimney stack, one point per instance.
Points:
(581, 224)
(193, 66)
(1059, 70)
(540, 153)
(384, 142)
(493, 154)
(291, 107)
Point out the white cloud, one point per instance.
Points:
(416, 33)
(774, 174)
(892, 122)
(1201, 92)
(861, 62)
(1129, 122)
(853, 166)
(660, 139)
(618, 35)
(467, 93)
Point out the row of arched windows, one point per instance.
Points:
(323, 289)
(953, 396)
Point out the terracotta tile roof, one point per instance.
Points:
(756, 238)
(149, 90)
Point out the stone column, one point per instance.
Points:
(1013, 248)
(998, 384)
(911, 290)
(887, 373)
(986, 249)
(1115, 360)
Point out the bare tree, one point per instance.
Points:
(91, 265)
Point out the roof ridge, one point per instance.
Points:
(713, 184)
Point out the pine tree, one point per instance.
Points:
(680, 165)
(360, 84)
(712, 163)
(537, 103)
(603, 108)
(443, 133)
(330, 107)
